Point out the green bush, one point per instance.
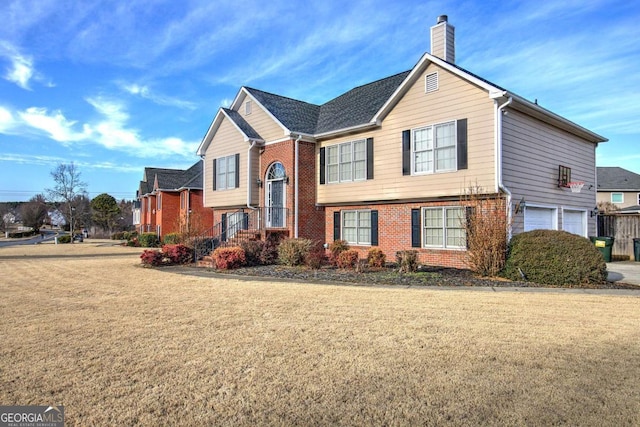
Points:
(20, 234)
(64, 239)
(149, 240)
(294, 252)
(118, 236)
(172, 239)
(554, 257)
(407, 261)
(376, 258)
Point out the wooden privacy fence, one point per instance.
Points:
(623, 228)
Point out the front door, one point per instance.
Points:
(275, 196)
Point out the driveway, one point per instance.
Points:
(48, 235)
(624, 271)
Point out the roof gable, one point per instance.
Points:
(245, 129)
(369, 104)
(163, 179)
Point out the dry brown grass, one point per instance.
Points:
(118, 344)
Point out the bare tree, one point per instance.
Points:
(34, 212)
(67, 188)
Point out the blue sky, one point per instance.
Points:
(115, 86)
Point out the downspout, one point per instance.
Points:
(296, 186)
(253, 144)
(498, 141)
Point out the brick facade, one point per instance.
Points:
(394, 233)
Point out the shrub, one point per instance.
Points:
(554, 257)
(64, 239)
(293, 252)
(149, 240)
(229, 258)
(133, 242)
(407, 261)
(171, 239)
(178, 253)
(120, 235)
(151, 257)
(376, 258)
(486, 229)
(316, 256)
(348, 259)
(269, 254)
(335, 248)
(129, 235)
(252, 251)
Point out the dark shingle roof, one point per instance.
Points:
(616, 178)
(242, 124)
(297, 116)
(357, 106)
(193, 176)
(353, 108)
(171, 179)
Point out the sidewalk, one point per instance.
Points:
(624, 271)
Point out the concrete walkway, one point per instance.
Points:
(624, 271)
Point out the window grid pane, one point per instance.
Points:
(347, 161)
(444, 227)
(356, 227)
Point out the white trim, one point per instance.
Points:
(585, 219)
(235, 106)
(435, 80)
(620, 193)
(433, 149)
(444, 228)
(332, 133)
(357, 212)
(554, 216)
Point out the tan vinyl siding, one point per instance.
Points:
(261, 122)
(630, 198)
(532, 152)
(226, 142)
(455, 99)
(437, 41)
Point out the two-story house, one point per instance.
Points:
(387, 164)
(619, 188)
(171, 199)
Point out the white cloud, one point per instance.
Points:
(20, 69)
(146, 93)
(114, 134)
(55, 160)
(110, 131)
(55, 124)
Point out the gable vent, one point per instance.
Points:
(431, 82)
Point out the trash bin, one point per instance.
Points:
(604, 245)
(636, 249)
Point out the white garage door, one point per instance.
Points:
(538, 218)
(573, 222)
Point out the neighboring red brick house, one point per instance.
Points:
(388, 164)
(171, 199)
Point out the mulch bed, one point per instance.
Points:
(427, 276)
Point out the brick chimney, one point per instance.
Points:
(443, 40)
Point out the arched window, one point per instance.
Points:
(276, 171)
